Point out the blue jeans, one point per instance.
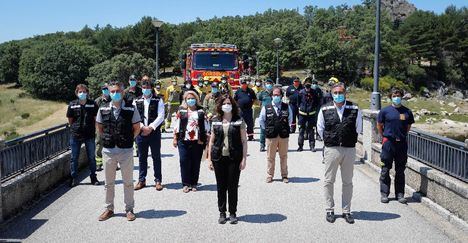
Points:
(152, 141)
(190, 153)
(75, 145)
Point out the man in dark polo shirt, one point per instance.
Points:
(245, 98)
(394, 123)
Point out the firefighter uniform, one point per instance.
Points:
(264, 97)
(172, 100)
(293, 94)
(100, 101)
(396, 121)
(308, 104)
(256, 106)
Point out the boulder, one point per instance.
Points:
(458, 95)
(451, 104)
(407, 96)
(456, 110)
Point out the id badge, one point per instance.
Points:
(402, 117)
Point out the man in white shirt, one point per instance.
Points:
(151, 108)
(339, 123)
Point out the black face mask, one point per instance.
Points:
(308, 86)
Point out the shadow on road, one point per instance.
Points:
(374, 216)
(173, 186)
(262, 218)
(211, 187)
(159, 214)
(303, 179)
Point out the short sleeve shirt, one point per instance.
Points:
(192, 129)
(395, 121)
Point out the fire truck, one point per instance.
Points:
(211, 61)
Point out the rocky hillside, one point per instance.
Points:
(398, 9)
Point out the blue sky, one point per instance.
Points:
(25, 18)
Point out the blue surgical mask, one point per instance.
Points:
(191, 102)
(105, 92)
(276, 99)
(146, 92)
(82, 96)
(269, 86)
(396, 100)
(314, 86)
(116, 97)
(214, 90)
(133, 83)
(338, 98)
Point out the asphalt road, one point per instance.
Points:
(275, 212)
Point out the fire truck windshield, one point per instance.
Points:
(215, 61)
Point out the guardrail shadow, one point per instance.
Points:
(374, 216)
(262, 218)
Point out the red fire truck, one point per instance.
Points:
(211, 61)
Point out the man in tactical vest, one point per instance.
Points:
(276, 118)
(118, 123)
(81, 114)
(339, 123)
(308, 103)
(172, 100)
(100, 101)
(151, 110)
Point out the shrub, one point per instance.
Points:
(386, 83)
(25, 115)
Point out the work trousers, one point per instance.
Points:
(190, 153)
(123, 157)
(393, 151)
(153, 141)
(281, 145)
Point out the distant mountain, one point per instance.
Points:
(398, 9)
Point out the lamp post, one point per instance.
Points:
(258, 63)
(278, 42)
(157, 23)
(375, 97)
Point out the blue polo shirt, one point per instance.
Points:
(395, 121)
(245, 98)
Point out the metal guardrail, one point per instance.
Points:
(25, 152)
(448, 155)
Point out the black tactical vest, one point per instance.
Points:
(184, 121)
(83, 126)
(277, 124)
(118, 132)
(152, 109)
(234, 138)
(340, 133)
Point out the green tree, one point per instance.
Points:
(10, 54)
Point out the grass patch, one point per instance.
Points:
(19, 110)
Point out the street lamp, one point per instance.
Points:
(157, 23)
(278, 42)
(375, 97)
(258, 62)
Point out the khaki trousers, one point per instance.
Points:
(344, 158)
(280, 145)
(124, 157)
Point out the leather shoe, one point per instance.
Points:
(140, 185)
(384, 199)
(300, 149)
(233, 218)
(73, 182)
(106, 215)
(130, 216)
(331, 217)
(94, 181)
(312, 148)
(401, 198)
(158, 186)
(349, 218)
(262, 149)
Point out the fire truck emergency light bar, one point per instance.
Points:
(213, 45)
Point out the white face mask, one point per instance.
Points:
(227, 108)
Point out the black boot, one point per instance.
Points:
(300, 149)
(312, 147)
(94, 181)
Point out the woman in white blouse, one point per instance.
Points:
(190, 136)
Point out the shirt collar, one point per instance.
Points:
(340, 108)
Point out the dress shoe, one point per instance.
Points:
(349, 218)
(262, 149)
(158, 186)
(331, 217)
(269, 180)
(384, 198)
(106, 215)
(285, 180)
(233, 218)
(99, 168)
(130, 216)
(312, 148)
(401, 198)
(140, 185)
(300, 149)
(222, 218)
(251, 138)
